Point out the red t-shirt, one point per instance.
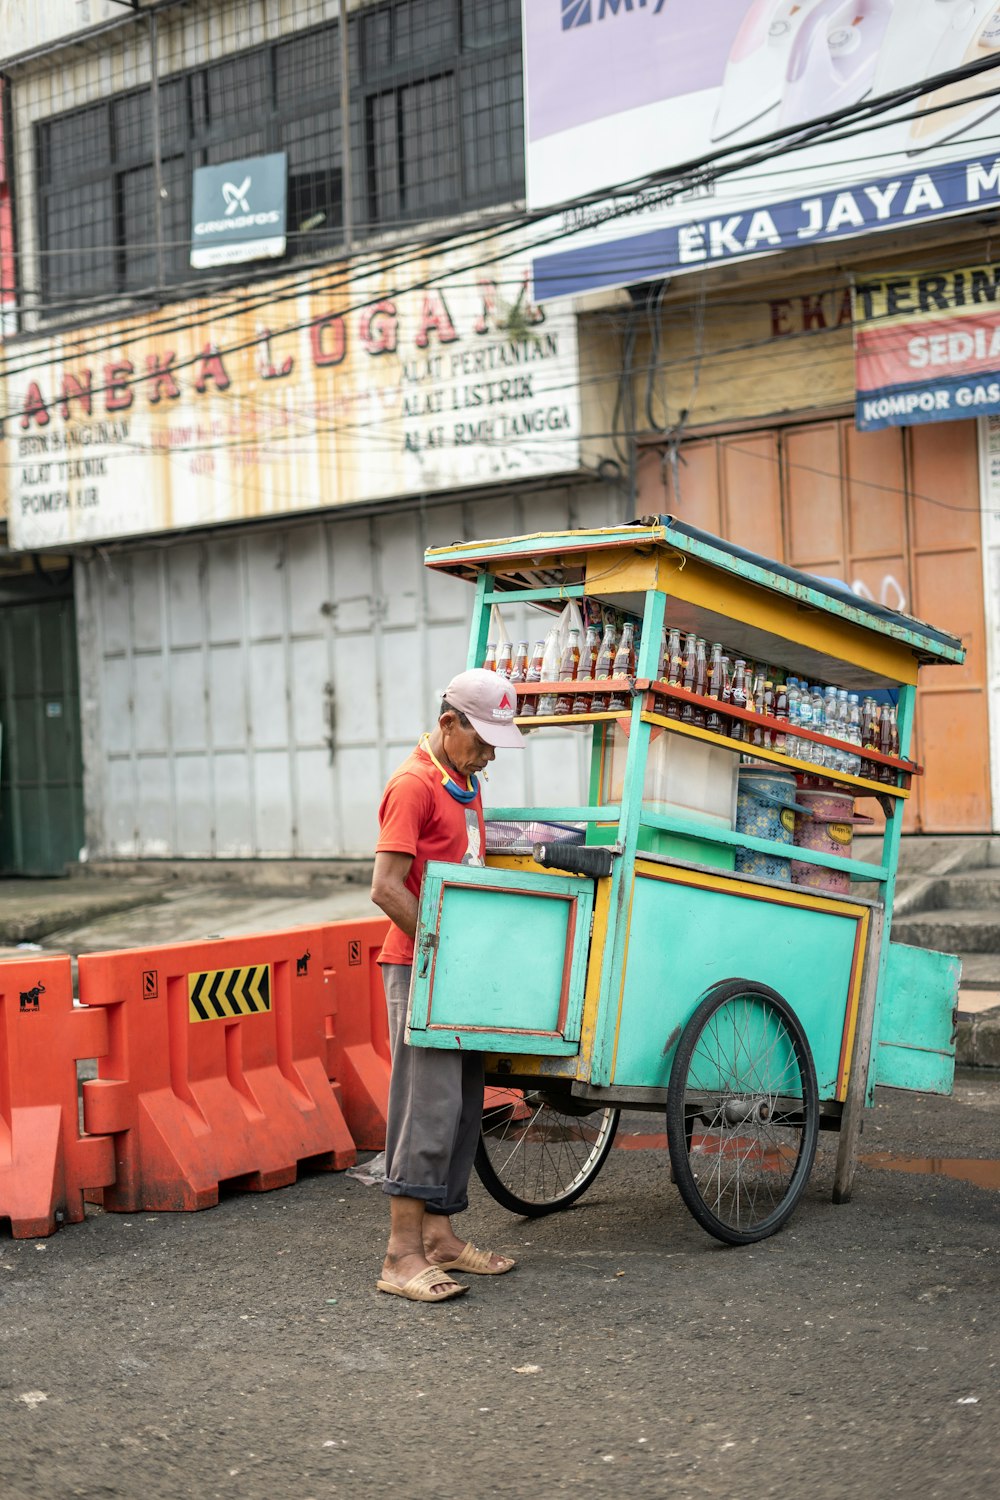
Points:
(418, 816)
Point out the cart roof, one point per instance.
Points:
(547, 557)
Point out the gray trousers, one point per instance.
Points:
(435, 1111)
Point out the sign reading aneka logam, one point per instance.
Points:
(334, 389)
(927, 347)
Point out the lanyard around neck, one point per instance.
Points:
(451, 786)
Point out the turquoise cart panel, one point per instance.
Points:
(915, 1048)
(684, 938)
(501, 960)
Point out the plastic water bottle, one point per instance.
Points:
(854, 734)
(794, 698)
(805, 719)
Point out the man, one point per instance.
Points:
(432, 810)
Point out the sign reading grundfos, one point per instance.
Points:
(238, 211)
(324, 391)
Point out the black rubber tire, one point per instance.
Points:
(527, 1175)
(780, 1157)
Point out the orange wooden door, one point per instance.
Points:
(896, 515)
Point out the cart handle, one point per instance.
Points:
(577, 859)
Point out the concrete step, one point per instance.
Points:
(950, 930)
(973, 889)
(981, 971)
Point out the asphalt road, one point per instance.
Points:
(243, 1352)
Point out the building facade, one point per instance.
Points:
(222, 464)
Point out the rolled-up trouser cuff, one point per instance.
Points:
(448, 1208)
(433, 1196)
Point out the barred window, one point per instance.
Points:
(436, 128)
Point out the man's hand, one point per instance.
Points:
(389, 891)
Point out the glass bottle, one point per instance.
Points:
(689, 675)
(714, 720)
(659, 702)
(603, 668)
(583, 702)
(624, 665)
(885, 773)
(675, 671)
(534, 674)
(700, 681)
(519, 669)
(569, 665)
(738, 697)
(490, 664)
(505, 659)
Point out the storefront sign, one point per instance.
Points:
(927, 347)
(618, 90)
(238, 211)
(326, 390)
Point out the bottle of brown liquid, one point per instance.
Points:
(714, 720)
(519, 670)
(603, 668)
(738, 697)
(689, 676)
(675, 672)
(569, 665)
(659, 702)
(587, 669)
(624, 665)
(505, 659)
(529, 705)
(490, 664)
(885, 773)
(781, 714)
(700, 681)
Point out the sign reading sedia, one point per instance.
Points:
(927, 347)
(326, 389)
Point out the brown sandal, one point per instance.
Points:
(418, 1288)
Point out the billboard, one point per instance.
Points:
(618, 90)
(927, 347)
(326, 389)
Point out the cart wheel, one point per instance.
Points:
(539, 1151)
(744, 1075)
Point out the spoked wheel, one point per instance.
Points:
(742, 1112)
(539, 1150)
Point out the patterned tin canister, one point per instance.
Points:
(828, 827)
(765, 809)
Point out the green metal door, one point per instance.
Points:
(41, 773)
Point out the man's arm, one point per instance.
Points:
(389, 891)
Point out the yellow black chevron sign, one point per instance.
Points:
(223, 994)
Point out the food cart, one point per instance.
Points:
(672, 956)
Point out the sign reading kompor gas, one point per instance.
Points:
(238, 211)
(621, 90)
(927, 347)
(341, 387)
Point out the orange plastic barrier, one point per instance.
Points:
(359, 1040)
(45, 1164)
(215, 1070)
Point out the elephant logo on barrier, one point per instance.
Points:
(30, 998)
(302, 965)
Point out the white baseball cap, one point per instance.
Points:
(489, 703)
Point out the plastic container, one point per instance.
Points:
(765, 809)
